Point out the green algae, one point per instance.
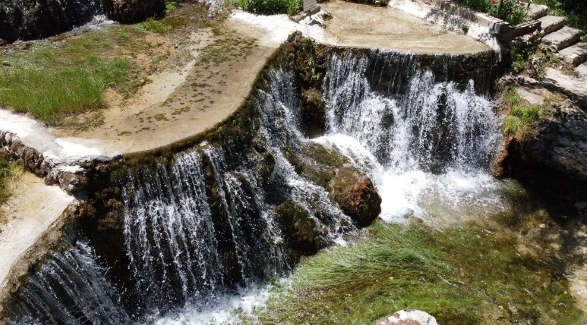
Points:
(467, 274)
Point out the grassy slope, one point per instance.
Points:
(463, 275)
(60, 78)
(52, 80)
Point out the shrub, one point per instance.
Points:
(512, 11)
(272, 7)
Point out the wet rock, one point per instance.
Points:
(134, 11)
(32, 160)
(300, 229)
(407, 317)
(356, 195)
(313, 111)
(34, 19)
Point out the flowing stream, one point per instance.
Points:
(201, 234)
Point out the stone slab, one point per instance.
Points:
(562, 38)
(537, 11)
(582, 70)
(575, 54)
(552, 23)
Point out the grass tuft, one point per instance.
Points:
(463, 275)
(154, 26)
(523, 118)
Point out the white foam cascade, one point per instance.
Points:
(427, 146)
(69, 289)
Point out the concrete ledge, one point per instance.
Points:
(495, 25)
(28, 239)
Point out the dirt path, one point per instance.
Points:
(32, 212)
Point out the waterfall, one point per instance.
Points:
(69, 289)
(422, 136)
(203, 230)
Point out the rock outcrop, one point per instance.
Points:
(351, 189)
(134, 11)
(302, 232)
(33, 19)
(553, 157)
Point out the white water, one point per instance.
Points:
(230, 309)
(428, 161)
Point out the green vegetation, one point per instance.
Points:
(574, 10)
(512, 11)
(170, 7)
(523, 117)
(271, 7)
(462, 275)
(154, 26)
(55, 80)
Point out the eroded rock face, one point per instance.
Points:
(33, 19)
(553, 159)
(356, 195)
(134, 11)
(407, 317)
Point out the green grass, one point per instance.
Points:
(523, 118)
(54, 80)
(155, 26)
(463, 275)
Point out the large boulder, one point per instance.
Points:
(134, 11)
(356, 195)
(407, 317)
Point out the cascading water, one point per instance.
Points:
(204, 229)
(69, 289)
(428, 143)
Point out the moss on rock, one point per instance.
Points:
(301, 231)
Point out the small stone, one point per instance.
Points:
(407, 316)
(581, 205)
